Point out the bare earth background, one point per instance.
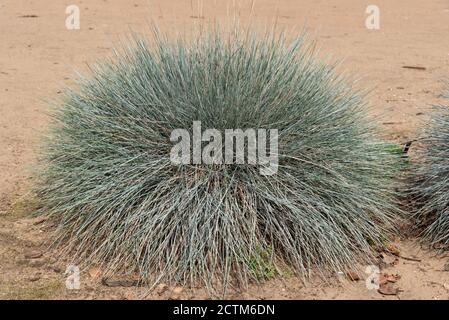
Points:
(39, 57)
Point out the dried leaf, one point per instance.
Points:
(122, 282)
(385, 278)
(33, 254)
(393, 250)
(388, 289)
(352, 275)
(388, 260)
(95, 273)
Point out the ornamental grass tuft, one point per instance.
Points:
(430, 190)
(119, 202)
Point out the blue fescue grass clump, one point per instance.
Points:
(431, 180)
(119, 202)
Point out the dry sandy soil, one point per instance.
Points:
(39, 57)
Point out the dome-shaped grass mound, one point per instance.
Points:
(431, 180)
(120, 202)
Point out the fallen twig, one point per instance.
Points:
(403, 257)
(410, 259)
(414, 67)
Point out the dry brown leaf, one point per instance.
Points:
(388, 289)
(393, 250)
(389, 260)
(352, 275)
(95, 273)
(120, 282)
(39, 220)
(385, 278)
(34, 254)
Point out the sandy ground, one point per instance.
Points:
(39, 56)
